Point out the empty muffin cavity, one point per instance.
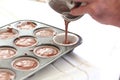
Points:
(46, 51)
(25, 41)
(25, 63)
(8, 33)
(44, 32)
(7, 52)
(26, 25)
(6, 74)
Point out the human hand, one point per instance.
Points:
(103, 11)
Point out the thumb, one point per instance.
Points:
(79, 10)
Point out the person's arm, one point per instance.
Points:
(103, 11)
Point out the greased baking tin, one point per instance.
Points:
(40, 35)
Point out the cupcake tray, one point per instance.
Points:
(28, 51)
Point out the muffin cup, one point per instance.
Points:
(27, 25)
(60, 39)
(7, 52)
(25, 41)
(10, 74)
(46, 51)
(8, 33)
(44, 32)
(25, 64)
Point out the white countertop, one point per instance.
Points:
(101, 43)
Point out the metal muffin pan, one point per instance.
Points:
(28, 51)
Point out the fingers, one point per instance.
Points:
(80, 10)
(83, 1)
